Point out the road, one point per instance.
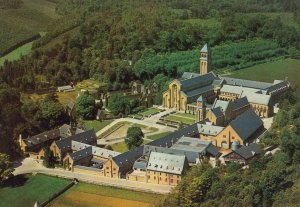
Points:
(29, 165)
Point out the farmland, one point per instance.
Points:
(21, 24)
(26, 190)
(270, 71)
(88, 195)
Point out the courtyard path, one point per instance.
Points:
(29, 165)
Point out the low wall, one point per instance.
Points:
(88, 170)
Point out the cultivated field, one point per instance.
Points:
(21, 24)
(87, 195)
(270, 71)
(26, 190)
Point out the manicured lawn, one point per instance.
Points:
(26, 190)
(160, 135)
(270, 71)
(149, 111)
(87, 195)
(184, 118)
(95, 124)
(17, 53)
(122, 147)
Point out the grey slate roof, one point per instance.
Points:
(222, 104)
(213, 151)
(278, 87)
(42, 137)
(188, 75)
(85, 137)
(70, 105)
(209, 129)
(140, 165)
(247, 83)
(65, 129)
(199, 91)
(247, 152)
(217, 112)
(128, 158)
(239, 103)
(170, 139)
(204, 48)
(196, 82)
(167, 163)
(191, 144)
(246, 124)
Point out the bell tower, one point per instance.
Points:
(201, 109)
(205, 60)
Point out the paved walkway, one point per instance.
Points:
(29, 165)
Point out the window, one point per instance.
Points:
(107, 168)
(114, 169)
(154, 178)
(171, 181)
(232, 137)
(224, 136)
(159, 178)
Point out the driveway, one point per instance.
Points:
(29, 165)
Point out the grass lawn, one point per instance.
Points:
(95, 124)
(270, 71)
(17, 53)
(26, 190)
(87, 195)
(160, 135)
(122, 147)
(184, 118)
(149, 111)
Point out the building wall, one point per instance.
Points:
(87, 171)
(111, 169)
(218, 121)
(225, 138)
(69, 162)
(162, 178)
(264, 111)
(173, 98)
(138, 178)
(56, 151)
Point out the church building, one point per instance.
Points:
(183, 94)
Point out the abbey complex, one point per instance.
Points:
(199, 93)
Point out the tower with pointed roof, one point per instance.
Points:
(201, 109)
(205, 60)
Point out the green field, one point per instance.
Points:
(87, 195)
(149, 111)
(270, 71)
(95, 124)
(158, 136)
(17, 53)
(180, 117)
(122, 147)
(26, 190)
(21, 24)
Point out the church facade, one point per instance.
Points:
(183, 93)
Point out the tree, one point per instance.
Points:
(5, 167)
(119, 104)
(85, 106)
(134, 137)
(50, 113)
(49, 159)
